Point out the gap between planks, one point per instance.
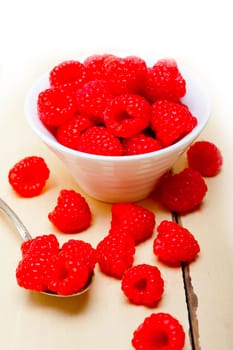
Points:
(191, 299)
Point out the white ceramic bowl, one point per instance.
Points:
(126, 178)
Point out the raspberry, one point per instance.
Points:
(175, 244)
(72, 213)
(159, 331)
(68, 133)
(99, 140)
(32, 270)
(81, 252)
(115, 254)
(93, 98)
(66, 276)
(95, 66)
(182, 192)
(205, 157)
(28, 176)
(143, 285)
(125, 75)
(127, 115)
(132, 219)
(70, 73)
(45, 267)
(140, 144)
(55, 106)
(164, 81)
(171, 121)
(46, 245)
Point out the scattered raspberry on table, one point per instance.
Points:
(115, 254)
(72, 213)
(159, 331)
(133, 219)
(143, 285)
(205, 157)
(182, 192)
(175, 244)
(28, 176)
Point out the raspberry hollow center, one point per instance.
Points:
(158, 339)
(141, 284)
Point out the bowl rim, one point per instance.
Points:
(49, 139)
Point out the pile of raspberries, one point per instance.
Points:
(109, 105)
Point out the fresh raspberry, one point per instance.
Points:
(28, 176)
(205, 157)
(175, 244)
(72, 213)
(159, 331)
(140, 144)
(127, 115)
(66, 276)
(132, 219)
(171, 121)
(182, 192)
(115, 254)
(81, 252)
(164, 81)
(99, 140)
(69, 73)
(32, 270)
(143, 285)
(25, 247)
(45, 245)
(68, 134)
(95, 66)
(92, 99)
(55, 106)
(126, 75)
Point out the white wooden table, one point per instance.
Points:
(35, 36)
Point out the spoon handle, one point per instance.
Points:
(25, 235)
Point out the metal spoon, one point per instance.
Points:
(25, 235)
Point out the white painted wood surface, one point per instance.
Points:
(33, 37)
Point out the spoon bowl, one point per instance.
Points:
(25, 235)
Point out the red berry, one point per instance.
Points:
(140, 144)
(127, 115)
(125, 75)
(95, 66)
(164, 81)
(28, 176)
(182, 192)
(32, 270)
(92, 99)
(143, 285)
(72, 213)
(175, 244)
(171, 121)
(55, 106)
(205, 157)
(132, 219)
(46, 245)
(70, 73)
(81, 252)
(68, 133)
(115, 254)
(99, 140)
(66, 276)
(159, 331)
